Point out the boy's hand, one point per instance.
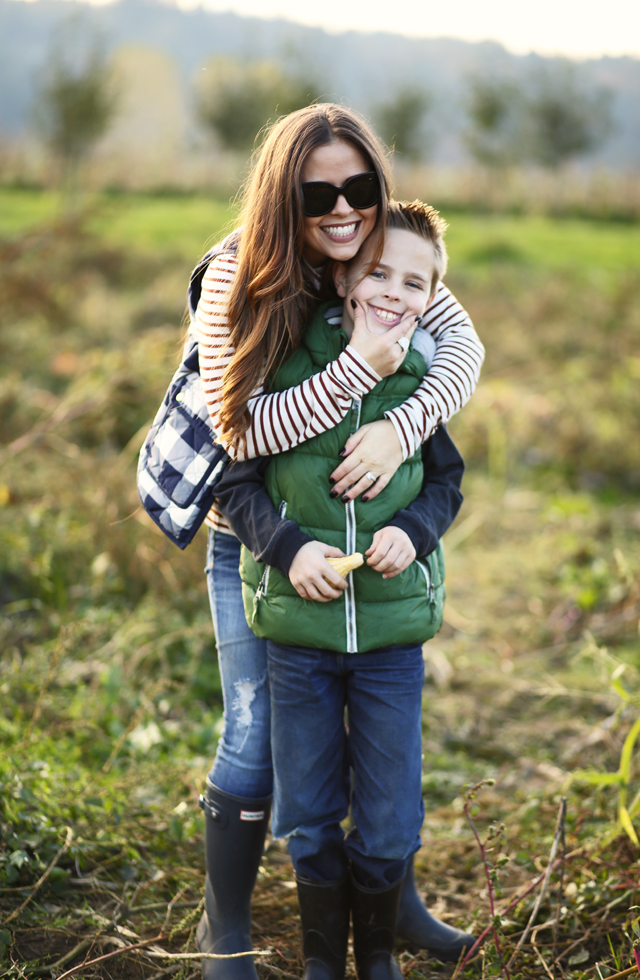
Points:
(391, 551)
(312, 576)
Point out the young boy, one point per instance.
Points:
(359, 644)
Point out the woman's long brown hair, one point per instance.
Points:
(270, 299)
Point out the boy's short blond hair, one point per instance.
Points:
(425, 221)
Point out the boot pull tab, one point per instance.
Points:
(213, 810)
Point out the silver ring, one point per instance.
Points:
(404, 343)
(369, 476)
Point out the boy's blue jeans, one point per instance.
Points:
(312, 752)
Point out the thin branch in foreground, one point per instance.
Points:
(556, 928)
(542, 961)
(42, 879)
(558, 836)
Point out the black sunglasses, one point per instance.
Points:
(360, 192)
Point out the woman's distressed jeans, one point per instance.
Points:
(242, 765)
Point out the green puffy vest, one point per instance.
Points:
(374, 612)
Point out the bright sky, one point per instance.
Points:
(577, 28)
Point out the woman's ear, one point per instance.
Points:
(340, 278)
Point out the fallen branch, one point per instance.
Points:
(42, 879)
(625, 973)
(162, 955)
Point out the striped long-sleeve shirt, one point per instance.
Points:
(284, 419)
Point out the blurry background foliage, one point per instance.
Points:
(77, 99)
(235, 100)
(400, 120)
(549, 120)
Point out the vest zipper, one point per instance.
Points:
(428, 574)
(350, 519)
(264, 581)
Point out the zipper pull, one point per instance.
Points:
(432, 588)
(261, 590)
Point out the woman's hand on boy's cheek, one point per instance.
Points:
(391, 551)
(312, 576)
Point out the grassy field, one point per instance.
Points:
(110, 698)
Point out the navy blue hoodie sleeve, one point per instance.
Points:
(433, 511)
(245, 503)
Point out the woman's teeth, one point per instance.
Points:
(340, 231)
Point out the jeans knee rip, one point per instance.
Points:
(246, 691)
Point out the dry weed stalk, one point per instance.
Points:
(469, 797)
(558, 836)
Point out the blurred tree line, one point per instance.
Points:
(548, 120)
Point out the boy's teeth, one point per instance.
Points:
(385, 314)
(340, 231)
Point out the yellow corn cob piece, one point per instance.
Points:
(345, 565)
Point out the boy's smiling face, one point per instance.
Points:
(399, 285)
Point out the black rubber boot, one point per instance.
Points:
(420, 929)
(234, 835)
(374, 914)
(324, 917)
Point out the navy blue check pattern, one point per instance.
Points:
(180, 462)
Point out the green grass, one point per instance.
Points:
(24, 209)
(544, 244)
(183, 224)
(189, 224)
(109, 689)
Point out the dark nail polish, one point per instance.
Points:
(353, 303)
(365, 498)
(418, 319)
(343, 452)
(331, 480)
(345, 499)
(334, 493)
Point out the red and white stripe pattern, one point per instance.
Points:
(282, 420)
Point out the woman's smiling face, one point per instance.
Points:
(340, 233)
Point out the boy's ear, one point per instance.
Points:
(340, 278)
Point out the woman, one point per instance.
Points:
(318, 190)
